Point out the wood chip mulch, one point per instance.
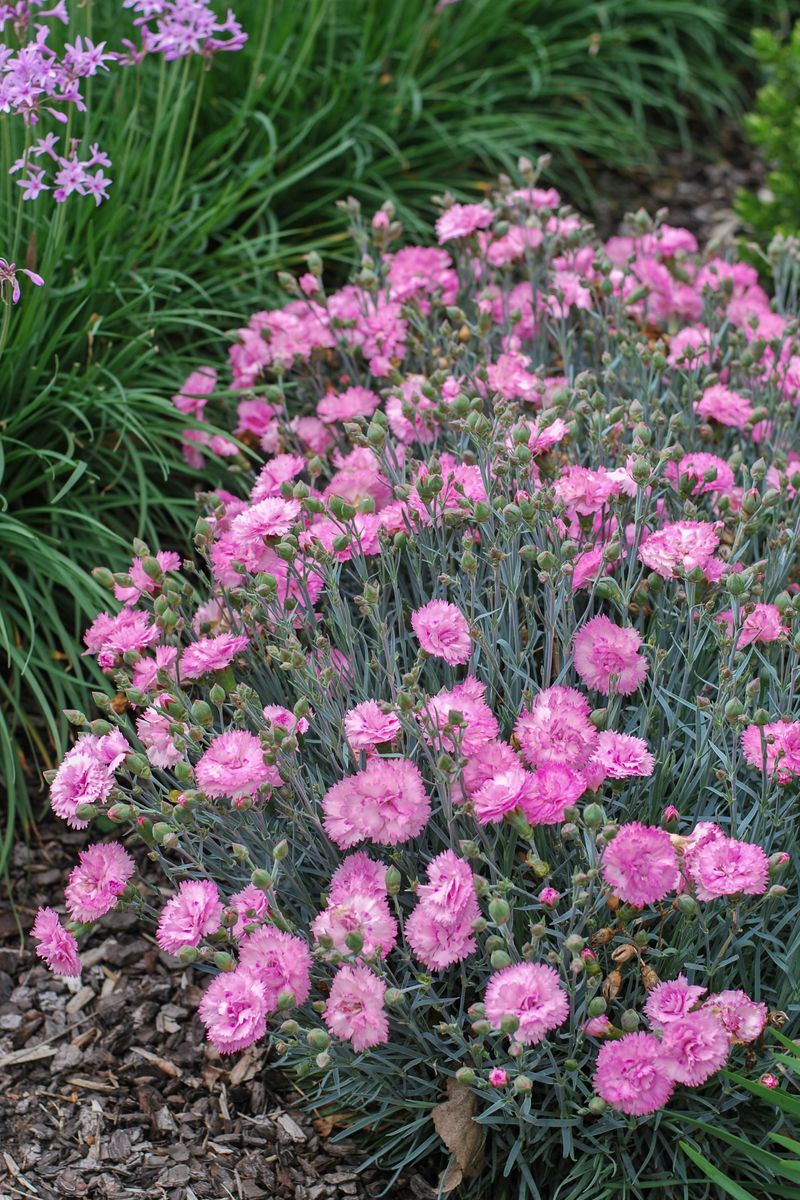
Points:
(107, 1090)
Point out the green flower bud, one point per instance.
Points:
(499, 911)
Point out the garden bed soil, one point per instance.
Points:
(108, 1090)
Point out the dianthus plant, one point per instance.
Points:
(469, 738)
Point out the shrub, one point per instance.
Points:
(219, 175)
(773, 128)
(468, 741)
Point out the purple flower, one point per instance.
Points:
(8, 274)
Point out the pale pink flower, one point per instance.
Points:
(276, 714)
(367, 726)
(86, 775)
(270, 518)
(671, 1001)
(234, 1010)
(141, 582)
(154, 728)
(719, 403)
(622, 756)
(640, 864)
(439, 930)
(502, 794)
(443, 631)
(744, 1019)
(354, 1011)
(210, 654)
(438, 944)
(280, 961)
(450, 889)
(780, 748)
(493, 758)
(364, 913)
(606, 655)
(283, 468)
(697, 467)
(762, 624)
(348, 405)
(385, 802)
(696, 1047)
(533, 994)
(598, 1027)
(633, 1074)
(554, 788)
(109, 638)
(721, 866)
(189, 916)
(146, 669)
(679, 547)
(97, 882)
(358, 874)
(557, 729)
(195, 390)
(251, 906)
(467, 698)
(233, 766)
(498, 1077)
(460, 220)
(57, 946)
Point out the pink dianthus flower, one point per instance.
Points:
(443, 631)
(679, 547)
(210, 654)
(234, 1010)
(557, 729)
(57, 946)
(781, 748)
(385, 802)
(721, 866)
(744, 1019)
(233, 766)
(622, 756)
(720, 404)
(503, 793)
(554, 788)
(696, 1047)
(367, 726)
(190, 915)
(460, 220)
(606, 653)
(280, 961)
(251, 906)
(97, 882)
(632, 1074)
(533, 994)
(671, 1001)
(479, 722)
(354, 1011)
(640, 864)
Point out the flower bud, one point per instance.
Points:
(523, 1084)
(280, 851)
(354, 941)
(593, 816)
(223, 960)
(670, 817)
(597, 1106)
(629, 1021)
(509, 1024)
(597, 1007)
(500, 959)
(318, 1039)
(262, 879)
(499, 911)
(465, 1076)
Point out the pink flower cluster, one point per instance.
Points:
(690, 1042)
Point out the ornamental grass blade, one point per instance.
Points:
(728, 1185)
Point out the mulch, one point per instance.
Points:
(108, 1090)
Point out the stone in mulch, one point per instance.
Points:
(108, 1091)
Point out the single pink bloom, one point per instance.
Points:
(633, 1074)
(696, 1047)
(443, 631)
(97, 882)
(640, 864)
(606, 655)
(531, 992)
(234, 1010)
(189, 916)
(354, 1011)
(57, 946)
